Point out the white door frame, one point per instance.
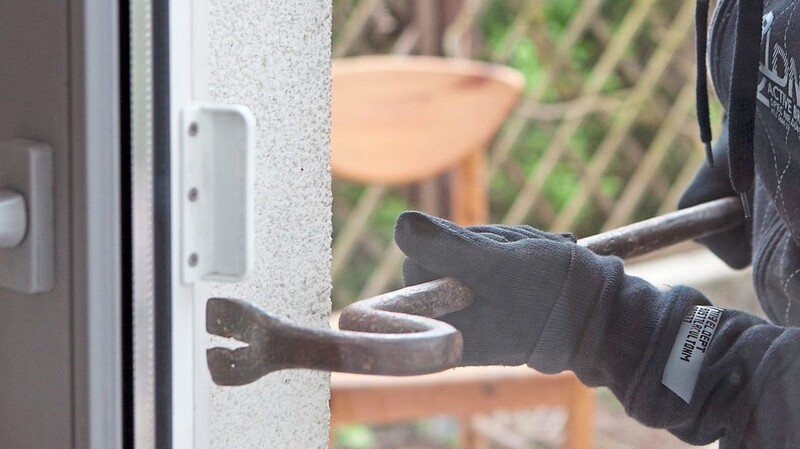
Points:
(97, 277)
(170, 375)
(73, 335)
(188, 66)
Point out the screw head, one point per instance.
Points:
(193, 194)
(194, 128)
(193, 260)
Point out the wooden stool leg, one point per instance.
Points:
(469, 438)
(580, 423)
(332, 436)
(468, 191)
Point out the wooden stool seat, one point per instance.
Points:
(399, 120)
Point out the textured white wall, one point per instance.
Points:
(274, 57)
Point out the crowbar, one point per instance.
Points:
(396, 333)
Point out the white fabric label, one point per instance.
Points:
(689, 350)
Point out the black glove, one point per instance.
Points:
(711, 183)
(535, 291)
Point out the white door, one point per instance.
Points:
(62, 285)
(192, 59)
(102, 342)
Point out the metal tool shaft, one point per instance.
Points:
(396, 333)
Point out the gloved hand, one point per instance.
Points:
(711, 183)
(535, 291)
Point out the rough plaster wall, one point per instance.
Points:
(274, 57)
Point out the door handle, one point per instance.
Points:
(26, 216)
(396, 333)
(13, 218)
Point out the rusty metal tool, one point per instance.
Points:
(396, 333)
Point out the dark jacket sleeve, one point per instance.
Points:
(748, 389)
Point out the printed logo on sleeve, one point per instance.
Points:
(779, 82)
(689, 351)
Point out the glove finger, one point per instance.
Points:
(492, 233)
(485, 342)
(443, 247)
(710, 182)
(734, 246)
(414, 274)
(562, 237)
(514, 233)
(463, 320)
(503, 234)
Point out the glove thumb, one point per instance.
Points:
(441, 246)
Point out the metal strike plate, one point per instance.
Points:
(26, 168)
(216, 192)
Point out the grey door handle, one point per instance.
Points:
(13, 218)
(27, 225)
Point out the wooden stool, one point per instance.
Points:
(399, 120)
(462, 392)
(403, 120)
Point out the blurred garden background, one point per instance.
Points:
(604, 134)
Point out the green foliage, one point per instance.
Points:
(560, 185)
(496, 20)
(355, 436)
(383, 219)
(525, 59)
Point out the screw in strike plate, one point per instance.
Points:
(194, 128)
(193, 259)
(193, 194)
